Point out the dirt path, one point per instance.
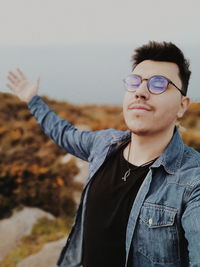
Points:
(47, 257)
(21, 223)
(17, 226)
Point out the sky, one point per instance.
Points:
(69, 21)
(43, 36)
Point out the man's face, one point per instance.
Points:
(148, 114)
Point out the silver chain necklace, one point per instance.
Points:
(128, 172)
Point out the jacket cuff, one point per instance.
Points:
(33, 101)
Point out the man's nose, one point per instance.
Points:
(142, 91)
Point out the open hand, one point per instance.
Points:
(20, 85)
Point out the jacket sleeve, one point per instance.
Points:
(73, 141)
(191, 225)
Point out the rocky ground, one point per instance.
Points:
(21, 223)
(47, 257)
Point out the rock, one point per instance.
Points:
(80, 177)
(18, 225)
(83, 173)
(21, 224)
(66, 158)
(47, 257)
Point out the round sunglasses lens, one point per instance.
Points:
(157, 84)
(132, 82)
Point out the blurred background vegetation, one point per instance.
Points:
(31, 169)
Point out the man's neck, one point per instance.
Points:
(148, 147)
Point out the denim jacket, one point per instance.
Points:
(164, 223)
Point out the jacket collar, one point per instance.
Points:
(171, 157)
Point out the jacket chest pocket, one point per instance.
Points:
(157, 235)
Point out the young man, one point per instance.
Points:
(141, 203)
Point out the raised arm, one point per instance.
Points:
(73, 141)
(76, 142)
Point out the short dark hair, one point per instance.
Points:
(164, 51)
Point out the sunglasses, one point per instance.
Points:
(156, 84)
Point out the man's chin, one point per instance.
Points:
(140, 131)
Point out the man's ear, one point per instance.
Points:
(185, 102)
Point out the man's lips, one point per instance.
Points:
(139, 107)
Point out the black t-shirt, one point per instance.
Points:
(108, 206)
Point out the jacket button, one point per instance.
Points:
(150, 221)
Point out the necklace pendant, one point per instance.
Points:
(126, 175)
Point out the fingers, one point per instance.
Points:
(22, 75)
(10, 87)
(17, 77)
(13, 78)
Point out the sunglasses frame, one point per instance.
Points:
(169, 82)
